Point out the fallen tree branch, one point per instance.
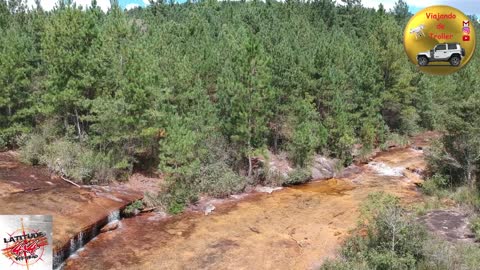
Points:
(69, 181)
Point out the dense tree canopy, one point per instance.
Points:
(158, 85)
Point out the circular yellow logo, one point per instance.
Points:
(439, 39)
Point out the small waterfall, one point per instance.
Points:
(94, 232)
(383, 169)
(114, 216)
(78, 241)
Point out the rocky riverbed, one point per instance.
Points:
(292, 228)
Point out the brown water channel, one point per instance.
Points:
(294, 228)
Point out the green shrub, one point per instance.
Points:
(441, 162)
(439, 255)
(435, 185)
(470, 256)
(272, 178)
(393, 239)
(467, 196)
(298, 176)
(216, 180)
(397, 139)
(33, 145)
(391, 232)
(151, 199)
(219, 180)
(10, 133)
(475, 226)
(364, 154)
(294, 177)
(307, 136)
(343, 265)
(70, 160)
(131, 208)
(409, 120)
(429, 203)
(77, 162)
(443, 255)
(211, 174)
(32, 148)
(3, 144)
(103, 168)
(176, 207)
(178, 195)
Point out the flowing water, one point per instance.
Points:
(294, 228)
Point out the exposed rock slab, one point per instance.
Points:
(209, 208)
(110, 226)
(278, 164)
(452, 225)
(295, 228)
(34, 191)
(266, 189)
(324, 168)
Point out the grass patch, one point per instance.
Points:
(443, 255)
(429, 203)
(395, 139)
(132, 208)
(475, 226)
(436, 186)
(467, 196)
(439, 186)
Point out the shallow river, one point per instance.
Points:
(294, 228)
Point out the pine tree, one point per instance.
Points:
(245, 96)
(401, 13)
(17, 67)
(66, 50)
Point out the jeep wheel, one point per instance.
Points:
(455, 61)
(422, 61)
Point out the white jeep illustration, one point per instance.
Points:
(445, 52)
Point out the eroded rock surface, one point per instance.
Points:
(452, 225)
(35, 191)
(295, 228)
(110, 226)
(324, 168)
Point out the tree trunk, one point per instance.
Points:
(79, 130)
(470, 168)
(249, 149)
(471, 178)
(393, 240)
(249, 165)
(65, 121)
(275, 143)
